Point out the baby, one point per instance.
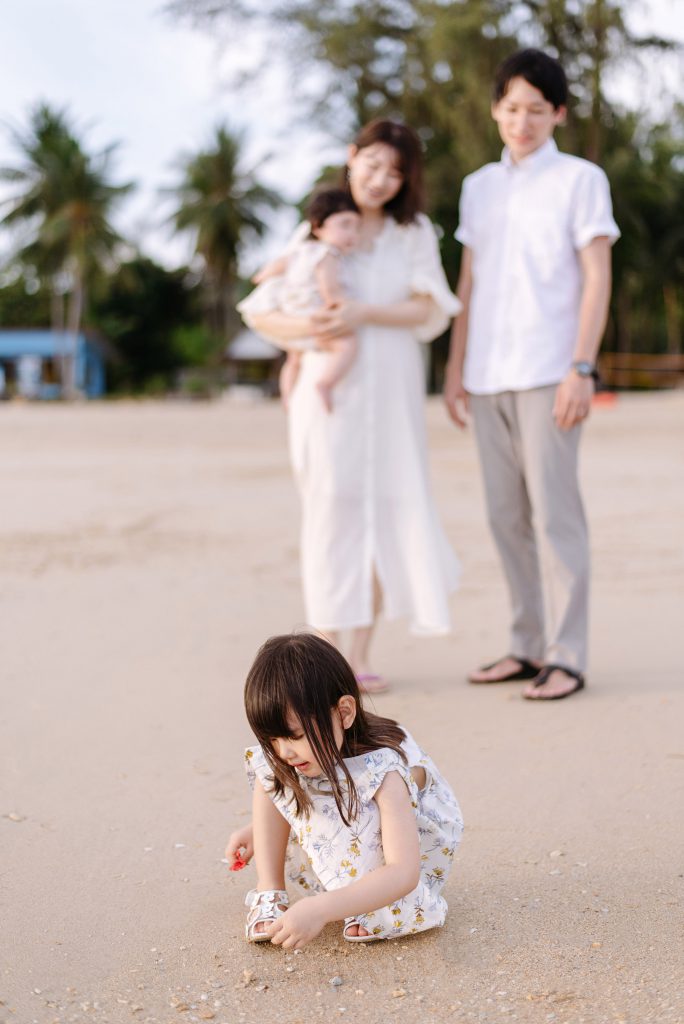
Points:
(313, 277)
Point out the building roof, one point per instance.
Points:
(17, 341)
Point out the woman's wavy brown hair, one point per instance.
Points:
(410, 199)
(302, 676)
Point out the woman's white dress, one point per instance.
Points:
(367, 505)
(325, 854)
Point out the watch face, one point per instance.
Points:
(583, 369)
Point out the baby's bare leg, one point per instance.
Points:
(341, 354)
(289, 372)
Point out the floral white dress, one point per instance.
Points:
(362, 471)
(326, 854)
(299, 293)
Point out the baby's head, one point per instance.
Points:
(334, 219)
(304, 707)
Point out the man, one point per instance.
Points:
(537, 229)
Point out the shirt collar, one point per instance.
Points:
(536, 159)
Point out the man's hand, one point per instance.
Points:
(455, 395)
(240, 847)
(573, 400)
(298, 925)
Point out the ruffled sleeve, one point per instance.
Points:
(428, 278)
(376, 766)
(266, 296)
(264, 299)
(257, 767)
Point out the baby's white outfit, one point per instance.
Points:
(297, 289)
(324, 853)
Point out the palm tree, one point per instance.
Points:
(62, 212)
(223, 206)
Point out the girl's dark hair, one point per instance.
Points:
(409, 200)
(326, 202)
(302, 676)
(537, 68)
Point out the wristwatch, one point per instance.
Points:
(584, 369)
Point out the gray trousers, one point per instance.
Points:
(536, 516)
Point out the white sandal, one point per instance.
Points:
(351, 921)
(263, 906)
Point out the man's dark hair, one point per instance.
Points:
(326, 202)
(537, 68)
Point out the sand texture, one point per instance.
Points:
(145, 552)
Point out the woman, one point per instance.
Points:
(370, 533)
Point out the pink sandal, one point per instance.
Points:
(369, 682)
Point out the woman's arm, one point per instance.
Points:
(397, 877)
(282, 327)
(348, 316)
(409, 313)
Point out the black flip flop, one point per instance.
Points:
(526, 671)
(544, 675)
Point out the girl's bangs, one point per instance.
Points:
(267, 713)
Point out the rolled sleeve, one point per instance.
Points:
(464, 233)
(593, 209)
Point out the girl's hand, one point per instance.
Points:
(298, 925)
(338, 320)
(240, 848)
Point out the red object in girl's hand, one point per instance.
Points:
(237, 865)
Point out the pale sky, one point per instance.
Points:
(129, 74)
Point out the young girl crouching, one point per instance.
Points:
(346, 799)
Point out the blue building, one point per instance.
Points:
(30, 362)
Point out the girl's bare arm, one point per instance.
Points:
(397, 877)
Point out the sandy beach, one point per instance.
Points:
(146, 550)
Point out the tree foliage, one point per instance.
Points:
(65, 246)
(61, 211)
(431, 63)
(223, 206)
(148, 314)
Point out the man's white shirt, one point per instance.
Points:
(525, 224)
